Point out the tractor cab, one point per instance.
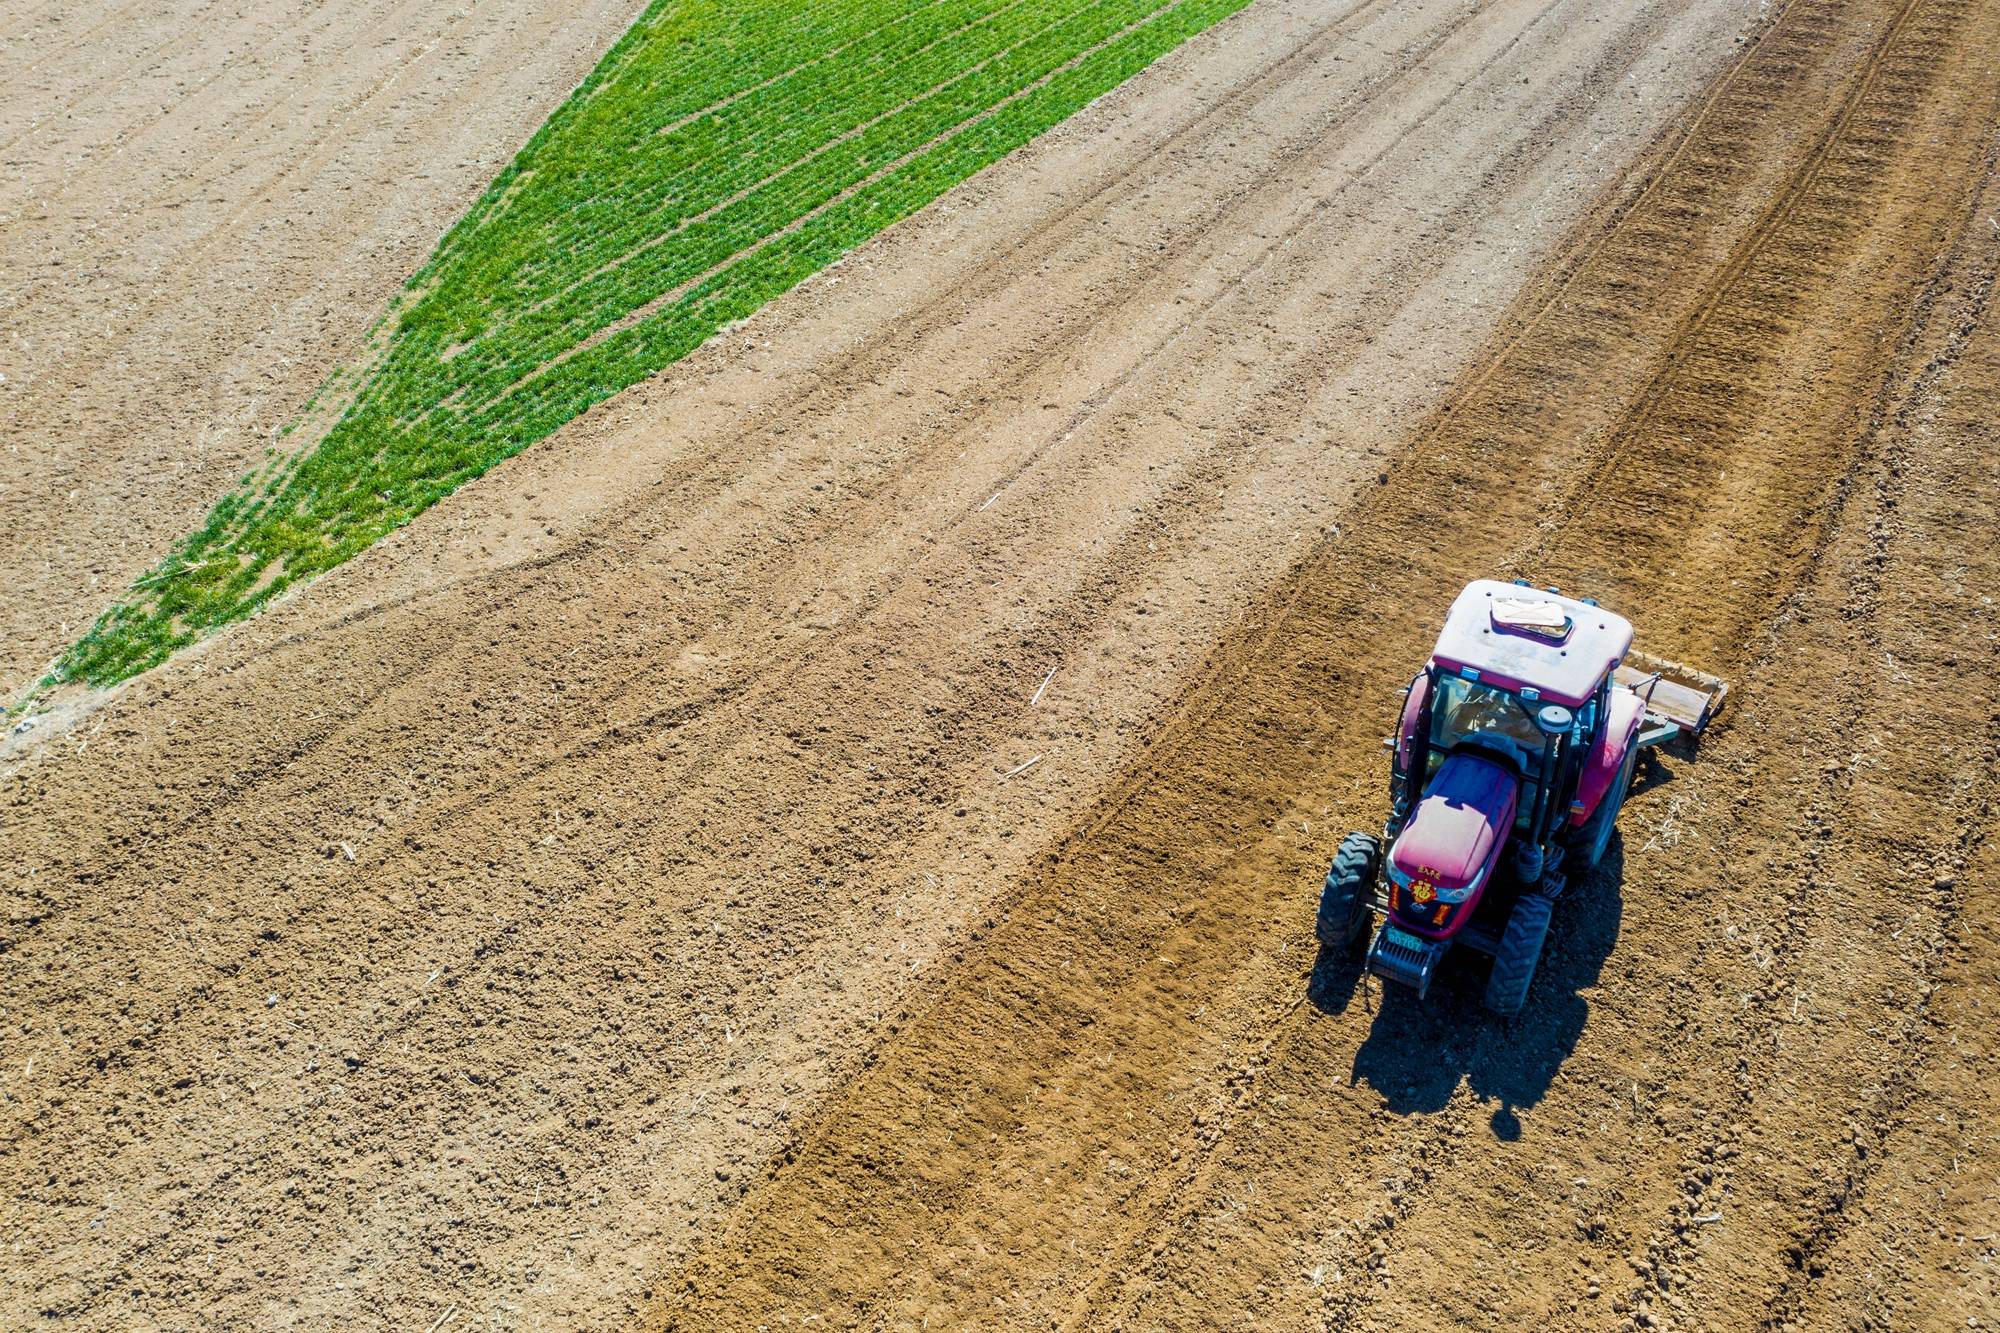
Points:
(1514, 751)
(1520, 680)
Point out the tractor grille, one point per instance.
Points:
(1404, 958)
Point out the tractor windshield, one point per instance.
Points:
(1465, 710)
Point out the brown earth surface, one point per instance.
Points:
(831, 838)
(203, 205)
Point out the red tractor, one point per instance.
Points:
(1515, 750)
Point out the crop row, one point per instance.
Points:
(716, 157)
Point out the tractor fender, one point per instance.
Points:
(1413, 714)
(1614, 741)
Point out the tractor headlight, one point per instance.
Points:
(1456, 896)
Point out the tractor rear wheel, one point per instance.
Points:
(1343, 898)
(1595, 835)
(1520, 949)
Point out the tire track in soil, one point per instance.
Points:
(1794, 909)
(182, 34)
(226, 228)
(1821, 901)
(854, 1158)
(1410, 1174)
(1825, 849)
(1865, 1225)
(189, 36)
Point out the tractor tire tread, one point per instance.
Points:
(1344, 895)
(1520, 951)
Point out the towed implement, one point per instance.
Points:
(1516, 747)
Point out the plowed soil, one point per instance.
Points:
(830, 840)
(204, 205)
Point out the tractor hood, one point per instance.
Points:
(1458, 827)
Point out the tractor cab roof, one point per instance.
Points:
(1519, 637)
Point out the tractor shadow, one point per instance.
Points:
(1651, 776)
(1417, 1051)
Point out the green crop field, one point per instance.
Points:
(719, 154)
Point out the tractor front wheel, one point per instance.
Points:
(1520, 949)
(1343, 898)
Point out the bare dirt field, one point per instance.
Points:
(202, 206)
(830, 838)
